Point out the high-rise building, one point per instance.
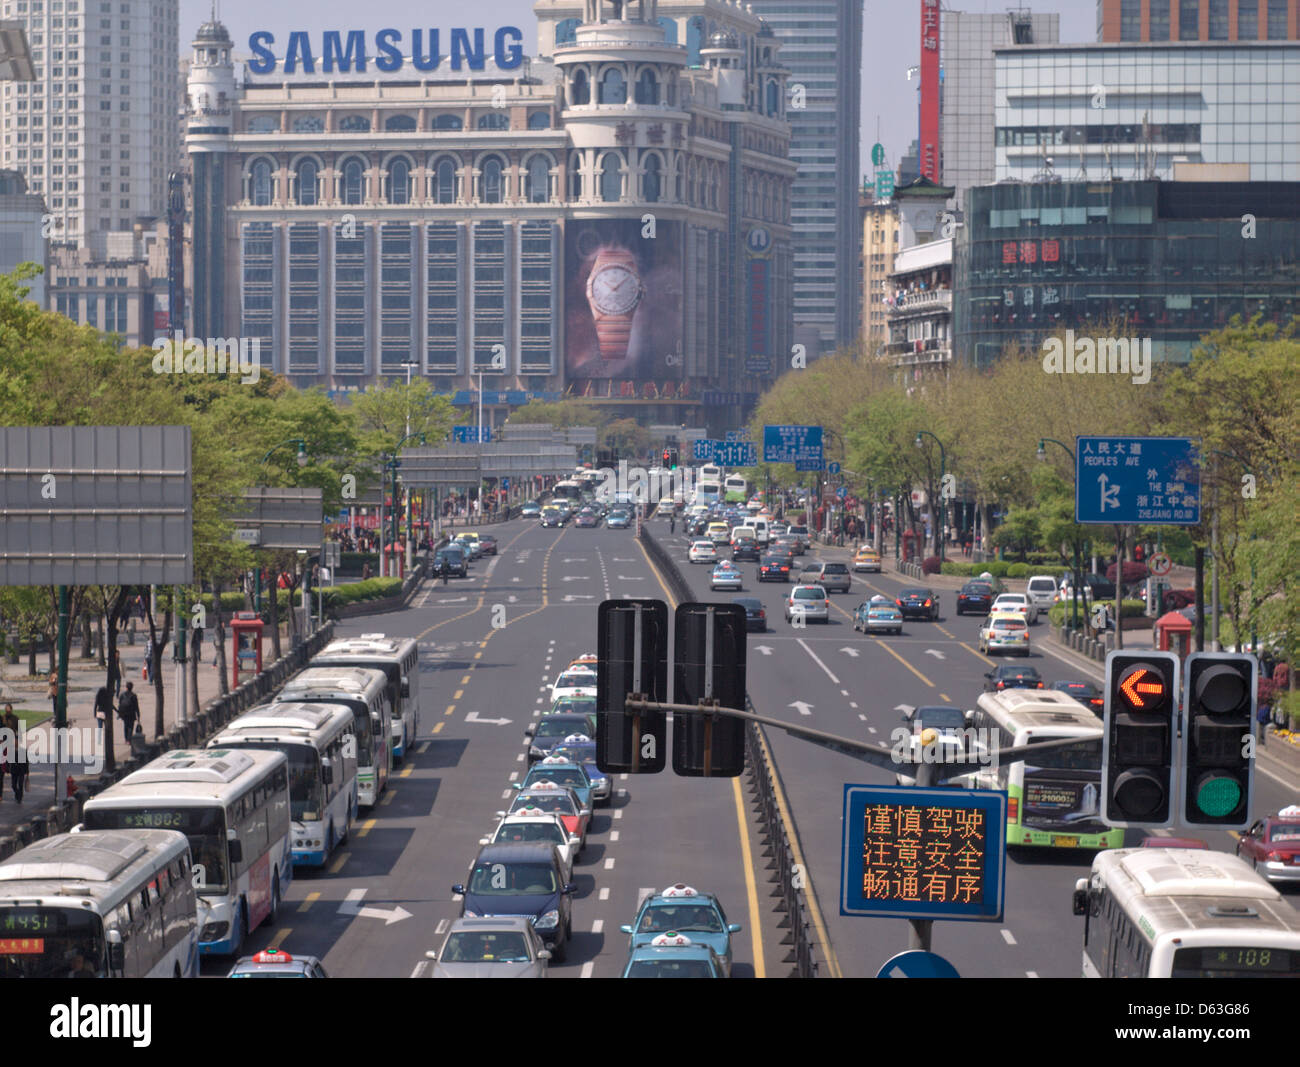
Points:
(966, 44)
(22, 232)
(1197, 20)
(879, 245)
(822, 47)
(95, 133)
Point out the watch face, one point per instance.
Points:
(615, 290)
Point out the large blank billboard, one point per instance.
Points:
(96, 505)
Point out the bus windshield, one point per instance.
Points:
(204, 826)
(50, 943)
(305, 786)
(1085, 756)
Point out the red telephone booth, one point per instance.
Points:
(247, 630)
(909, 544)
(1173, 633)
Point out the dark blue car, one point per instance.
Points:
(521, 880)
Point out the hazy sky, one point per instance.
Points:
(890, 41)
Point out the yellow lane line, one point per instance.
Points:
(450, 709)
(978, 655)
(458, 694)
(311, 899)
(406, 772)
(281, 936)
(465, 680)
(905, 663)
(337, 865)
(366, 827)
(423, 748)
(389, 793)
(438, 727)
(944, 631)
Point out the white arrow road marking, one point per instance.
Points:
(570, 598)
(511, 598)
(819, 662)
(352, 906)
(935, 653)
(576, 578)
(452, 599)
(633, 578)
(473, 717)
(802, 706)
(763, 649)
(575, 559)
(902, 707)
(515, 579)
(851, 651)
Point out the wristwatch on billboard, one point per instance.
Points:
(614, 290)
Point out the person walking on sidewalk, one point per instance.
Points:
(17, 757)
(128, 710)
(1262, 717)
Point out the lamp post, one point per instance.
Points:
(302, 462)
(943, 500)
(1074, 597)
(390, 462)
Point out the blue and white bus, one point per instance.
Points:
(399, 659)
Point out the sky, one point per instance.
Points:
(891, 40)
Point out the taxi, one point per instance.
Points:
(879, 614)
(582, 749)
(574, 682)
(866, 559)
(587, 660)
(531, 823)
(1004, 631)
(1272, 846)
(719, 533)
(726, 576)
(561, 771)
(673, 955)
(558, 799)
(274, 963)
(683, 909)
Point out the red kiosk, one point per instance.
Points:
(247, 628)
(1173, 633)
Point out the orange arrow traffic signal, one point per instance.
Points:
(1139, 684)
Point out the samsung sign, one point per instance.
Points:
(345, 52)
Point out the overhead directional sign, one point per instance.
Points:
(470, 434)
(726, 453)
(916, 964)
(703, 449)
(800, 445)
(923, 853)
(1154, 481)
(283, 518)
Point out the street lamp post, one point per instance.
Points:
(1074, 592)
(943, 500)
(302, 462)
(390, 462)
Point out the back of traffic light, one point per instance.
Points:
(1139, 764)
(1217, 780)
(709, 668)
(631, 660)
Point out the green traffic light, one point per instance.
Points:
(1218, 797)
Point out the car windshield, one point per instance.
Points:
(512, 879)
(471, 946)
(558, 803)
(552, 726)
(574, 704)
(977, 588)
(940, 718)
(564, 775)
(576, 680)
(670, 967)
(530, 831)
(661, 918)
(1284, 832)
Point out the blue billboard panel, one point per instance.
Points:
(470, 434)
(1154, 481)
(910, 852)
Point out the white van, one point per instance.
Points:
(1041, 591)
(762, 529)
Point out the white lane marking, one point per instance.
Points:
(536, 712)
(604, 893)
(871, 730)
(514, 775)
(506, 794)
(622, 777)
(613, 835)
(853, 704)
(622, 792)
(1008, 938)
(862, 717)
(597, 926)
(441, 928)
(609, 864)
(519, 758)
(818, 661)
(587, 968)
(422, 966)
(642, 893)
(1031, 974)
(844, 692)
(618, 814)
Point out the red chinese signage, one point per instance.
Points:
(929, 134)
(1031, 251)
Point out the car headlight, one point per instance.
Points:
(548, 921)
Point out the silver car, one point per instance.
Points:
(834, 577)
(490, 948)
(810, 601)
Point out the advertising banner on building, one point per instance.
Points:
(929, 138)
(623, 300)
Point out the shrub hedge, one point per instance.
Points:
(1058, 613)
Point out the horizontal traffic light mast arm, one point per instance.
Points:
(876, 755)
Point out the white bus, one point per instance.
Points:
(708, 485)
(318, 742)
(366, 693)
(735, 489)
(399, 659)
(1183, 913)
(1056, 800)
(99, 904)
(233, 807)
(571, 490)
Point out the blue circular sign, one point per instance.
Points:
(841, 492)
(916, 964)
(833, 468)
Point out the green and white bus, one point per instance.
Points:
(1056, 800)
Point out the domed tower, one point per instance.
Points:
(722, 54)
(209, 108)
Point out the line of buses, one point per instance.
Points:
(185, 856)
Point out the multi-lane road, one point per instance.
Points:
(491, 646)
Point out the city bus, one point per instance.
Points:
(735, 488)
(399, 659)
(570, 489)
(233, 807)
(318, 742)
(1056, 800)
(366, 693)
(708, 485)
(100, 904)
(1183, 913)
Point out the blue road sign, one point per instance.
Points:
(923, 853)
(737, 435)
(832, 468)
(470, 434)
(841, 492)
(1154, 481)
(735, 454)
(800, 445)
(916, 964)
(702, 448)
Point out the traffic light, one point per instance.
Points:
(1139, 745)
(631, 657)
(709, 665)
(668, 457)
(1217, 781)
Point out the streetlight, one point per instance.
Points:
(943, 500)
(1074, 598)
(390, 462)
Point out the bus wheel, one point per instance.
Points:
(275, 900)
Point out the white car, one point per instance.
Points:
(533, 824)
(572, 683)
(1041, 590)
(1004, 631)
(1018, 603)
(702, 552)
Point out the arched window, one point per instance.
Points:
(399, 123)
(670, 29)
(399, 181)
(581, 93)
(445, 182)
(448, 122)
(537, 177)
(309, 124)
(773, 97)
(263, 124)
(539, 120)
(575, 176)
(611, 180)
(690, 183)
(491, 178)
(494, 120)
(259, 191)
(613, 87)
(647, 88)
(354, 124)
(305, 191)
(353, 183)
(566, 31)
(650, 180)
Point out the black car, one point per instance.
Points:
(1102, 588)
(523, 879)
(774, 568)
(553, 517)
(697, 527)
(488, 543)
(918, 603)
(455, 559)
(550, 730)
(755, 616)
(1008, 677)
(746, 550)
(942, 717)
(976, 597)
(1085, 693)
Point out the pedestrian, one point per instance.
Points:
(196, 643)
(672, 522)
(117, 661)
(1262, 717)
(17, 757)
(128, 711)
(52, 693)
